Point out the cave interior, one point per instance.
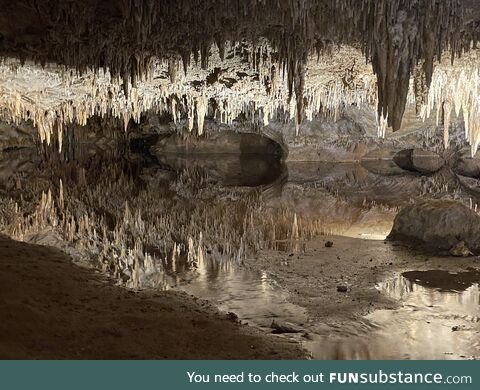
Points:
(259, 179)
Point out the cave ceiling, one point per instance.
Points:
(65, 61)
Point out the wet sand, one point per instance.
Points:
(53, 309)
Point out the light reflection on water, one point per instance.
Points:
(439, 319)
(252, 295)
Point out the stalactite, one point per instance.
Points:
(140, 223)
(61, 200)
(125, 37)
(456, 89)
(191, 251)
(295, 235)
(201, 105)
(54, 108)
(382, 124)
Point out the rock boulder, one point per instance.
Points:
(467, 165)
(440, 224)
(418, 160)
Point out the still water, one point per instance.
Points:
(438, 318)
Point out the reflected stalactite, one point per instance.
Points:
(97, 221)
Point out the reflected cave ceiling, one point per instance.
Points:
(65, 61)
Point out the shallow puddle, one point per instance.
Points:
(252, 296)
(439, 319)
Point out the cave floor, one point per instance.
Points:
(356, 299)
(53, 309)
(375, 299)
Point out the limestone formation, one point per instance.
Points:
(255, 153)
(258, 60)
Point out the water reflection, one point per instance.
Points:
(442, 280)
(230, 169)
(382, 167)
(439, 319)
(131, 208)
(253, 296)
